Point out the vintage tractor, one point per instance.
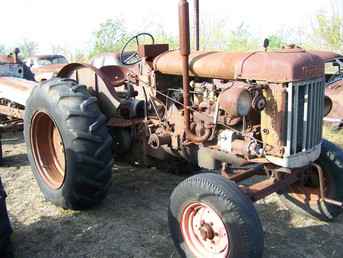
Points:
(251, 123)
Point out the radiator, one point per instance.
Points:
(304, 120)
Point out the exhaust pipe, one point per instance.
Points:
(197, 25)
(185, 51)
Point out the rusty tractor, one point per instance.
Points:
(250, 124)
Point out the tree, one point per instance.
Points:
(110, 37)
(28, 48)
(213, 33)
(241, 39)
(275, 42)
(78, 56)
(329, 30)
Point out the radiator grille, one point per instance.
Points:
(305, 102)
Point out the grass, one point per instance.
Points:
(333, 135)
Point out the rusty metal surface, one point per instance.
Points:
(16, 89)
(335, 92)
(196, 25)
(326, 56)
(46, 72)
(273, 120)
(10, 111)
(229, 98)
(184, 58)
(239, 176)
(151, 51)
(47, 150)
(102, 82)
(281, 66)
(7, 59)
(271, 185)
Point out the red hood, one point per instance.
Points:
(326, 55)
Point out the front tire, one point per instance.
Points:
(68, 144)
(210, 217)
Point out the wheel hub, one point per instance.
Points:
(48, 150)
(204, 231)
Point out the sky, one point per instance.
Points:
(70, 23)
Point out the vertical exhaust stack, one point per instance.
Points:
(185, 51)
(197, 24)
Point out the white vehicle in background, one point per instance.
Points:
(46, 66)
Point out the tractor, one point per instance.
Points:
(249, 124)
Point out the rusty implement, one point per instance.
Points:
(16, 89)
(335, 92)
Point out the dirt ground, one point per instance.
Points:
(132, 221)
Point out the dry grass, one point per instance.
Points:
(335, 136)
(132, 221)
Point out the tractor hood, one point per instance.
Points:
(286, 65)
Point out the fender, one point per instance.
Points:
(101, 82)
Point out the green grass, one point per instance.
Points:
(333, 136)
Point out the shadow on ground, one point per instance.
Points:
(132, 222)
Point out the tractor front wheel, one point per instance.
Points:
(68, 144)
(210, 217)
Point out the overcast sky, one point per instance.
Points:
(70, 22)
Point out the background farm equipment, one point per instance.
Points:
(237, 115)
(46, 67)
(334, 86)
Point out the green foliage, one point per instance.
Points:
(163, 37)
(110, 37)
(28, 48)
(78, 56)
(240, 39)
(276, 42)
(213, 34)
(329, 31)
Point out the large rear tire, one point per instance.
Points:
(68, 144)
(210, 217)
(304, 198)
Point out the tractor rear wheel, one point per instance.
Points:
(304, 197)
(210, 217)
(68, 144)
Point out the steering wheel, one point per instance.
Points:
(132, 57)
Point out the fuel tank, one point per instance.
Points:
(286, 65)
